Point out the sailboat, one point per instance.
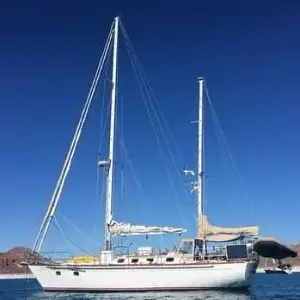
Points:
(192, 266)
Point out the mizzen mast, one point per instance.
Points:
(200, 156)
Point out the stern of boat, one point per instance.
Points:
(245, 275)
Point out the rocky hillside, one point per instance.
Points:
(10, 261)
(296, 260)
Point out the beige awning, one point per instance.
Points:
(209, 232)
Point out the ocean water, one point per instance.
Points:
(264, 287)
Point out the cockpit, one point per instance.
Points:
(200, 250)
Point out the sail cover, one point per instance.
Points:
(121, 228)
(209, 232)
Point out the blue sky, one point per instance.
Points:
(248, 51)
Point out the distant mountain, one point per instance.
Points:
(296, 260)
(10, 261)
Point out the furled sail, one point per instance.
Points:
(223, 234)
(120, 228)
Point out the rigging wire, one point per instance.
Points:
(130, 165)
(223, 138)
(100, 188)
(122, 153)
(89, 239)
(104, 118)
(119, 125)
(68, 161)
(224, 160)
(72, 243)
(146, 96)
(151, 98)
(120, 120)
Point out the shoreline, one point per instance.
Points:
(16, 276)
(295, 269)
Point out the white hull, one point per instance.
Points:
(141, 278)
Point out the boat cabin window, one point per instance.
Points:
(150, 260)
(120, 260)
(169, 259)
(186, 247)
(135, 260)
(58, 273)
(76, 273)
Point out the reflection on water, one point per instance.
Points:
(147, 296)
(264, 287)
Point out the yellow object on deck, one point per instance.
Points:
(86, 259)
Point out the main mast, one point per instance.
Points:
(200, 157)
(109, 183)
